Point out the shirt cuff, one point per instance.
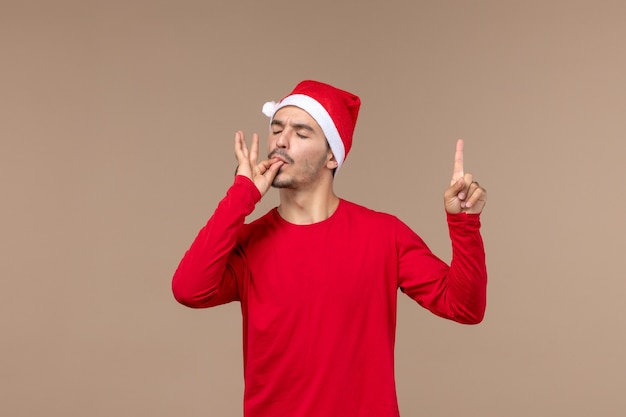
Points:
(464, 221)
(246, 183)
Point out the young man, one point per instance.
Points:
(317, 277)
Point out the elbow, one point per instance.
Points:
(471, 308)
(183, 298)
(474, 320)
(183, 295)
(471, 317)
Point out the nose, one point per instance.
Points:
(282, 141)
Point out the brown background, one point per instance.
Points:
(117, 122)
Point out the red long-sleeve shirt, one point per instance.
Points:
(319, 301)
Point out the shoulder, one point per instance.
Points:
(358, 212)
(267, 218)
(259, 226)
(379, 222)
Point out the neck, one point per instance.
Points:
(307, 207)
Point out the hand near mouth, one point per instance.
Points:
(261, 173)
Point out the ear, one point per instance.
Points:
(331, 161)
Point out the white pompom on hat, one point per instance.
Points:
(335, 110)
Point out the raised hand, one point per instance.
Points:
(261, 173)
(464, 194)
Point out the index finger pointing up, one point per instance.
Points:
(458, 172)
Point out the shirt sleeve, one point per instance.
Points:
(207, 274)
(456, 291)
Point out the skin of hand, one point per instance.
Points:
(261, 173)
(464, 194)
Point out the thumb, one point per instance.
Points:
(272, 171)
(455, 188)
(266, 172)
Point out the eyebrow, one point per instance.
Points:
(296, 126)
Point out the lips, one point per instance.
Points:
(278, 154)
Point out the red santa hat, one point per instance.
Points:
(335, 110)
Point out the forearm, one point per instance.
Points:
(199, 279)
(467, 277)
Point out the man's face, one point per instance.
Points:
(297, 139)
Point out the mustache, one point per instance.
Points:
(281, 153)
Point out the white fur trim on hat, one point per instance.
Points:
(321, 116)
(269, 109)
